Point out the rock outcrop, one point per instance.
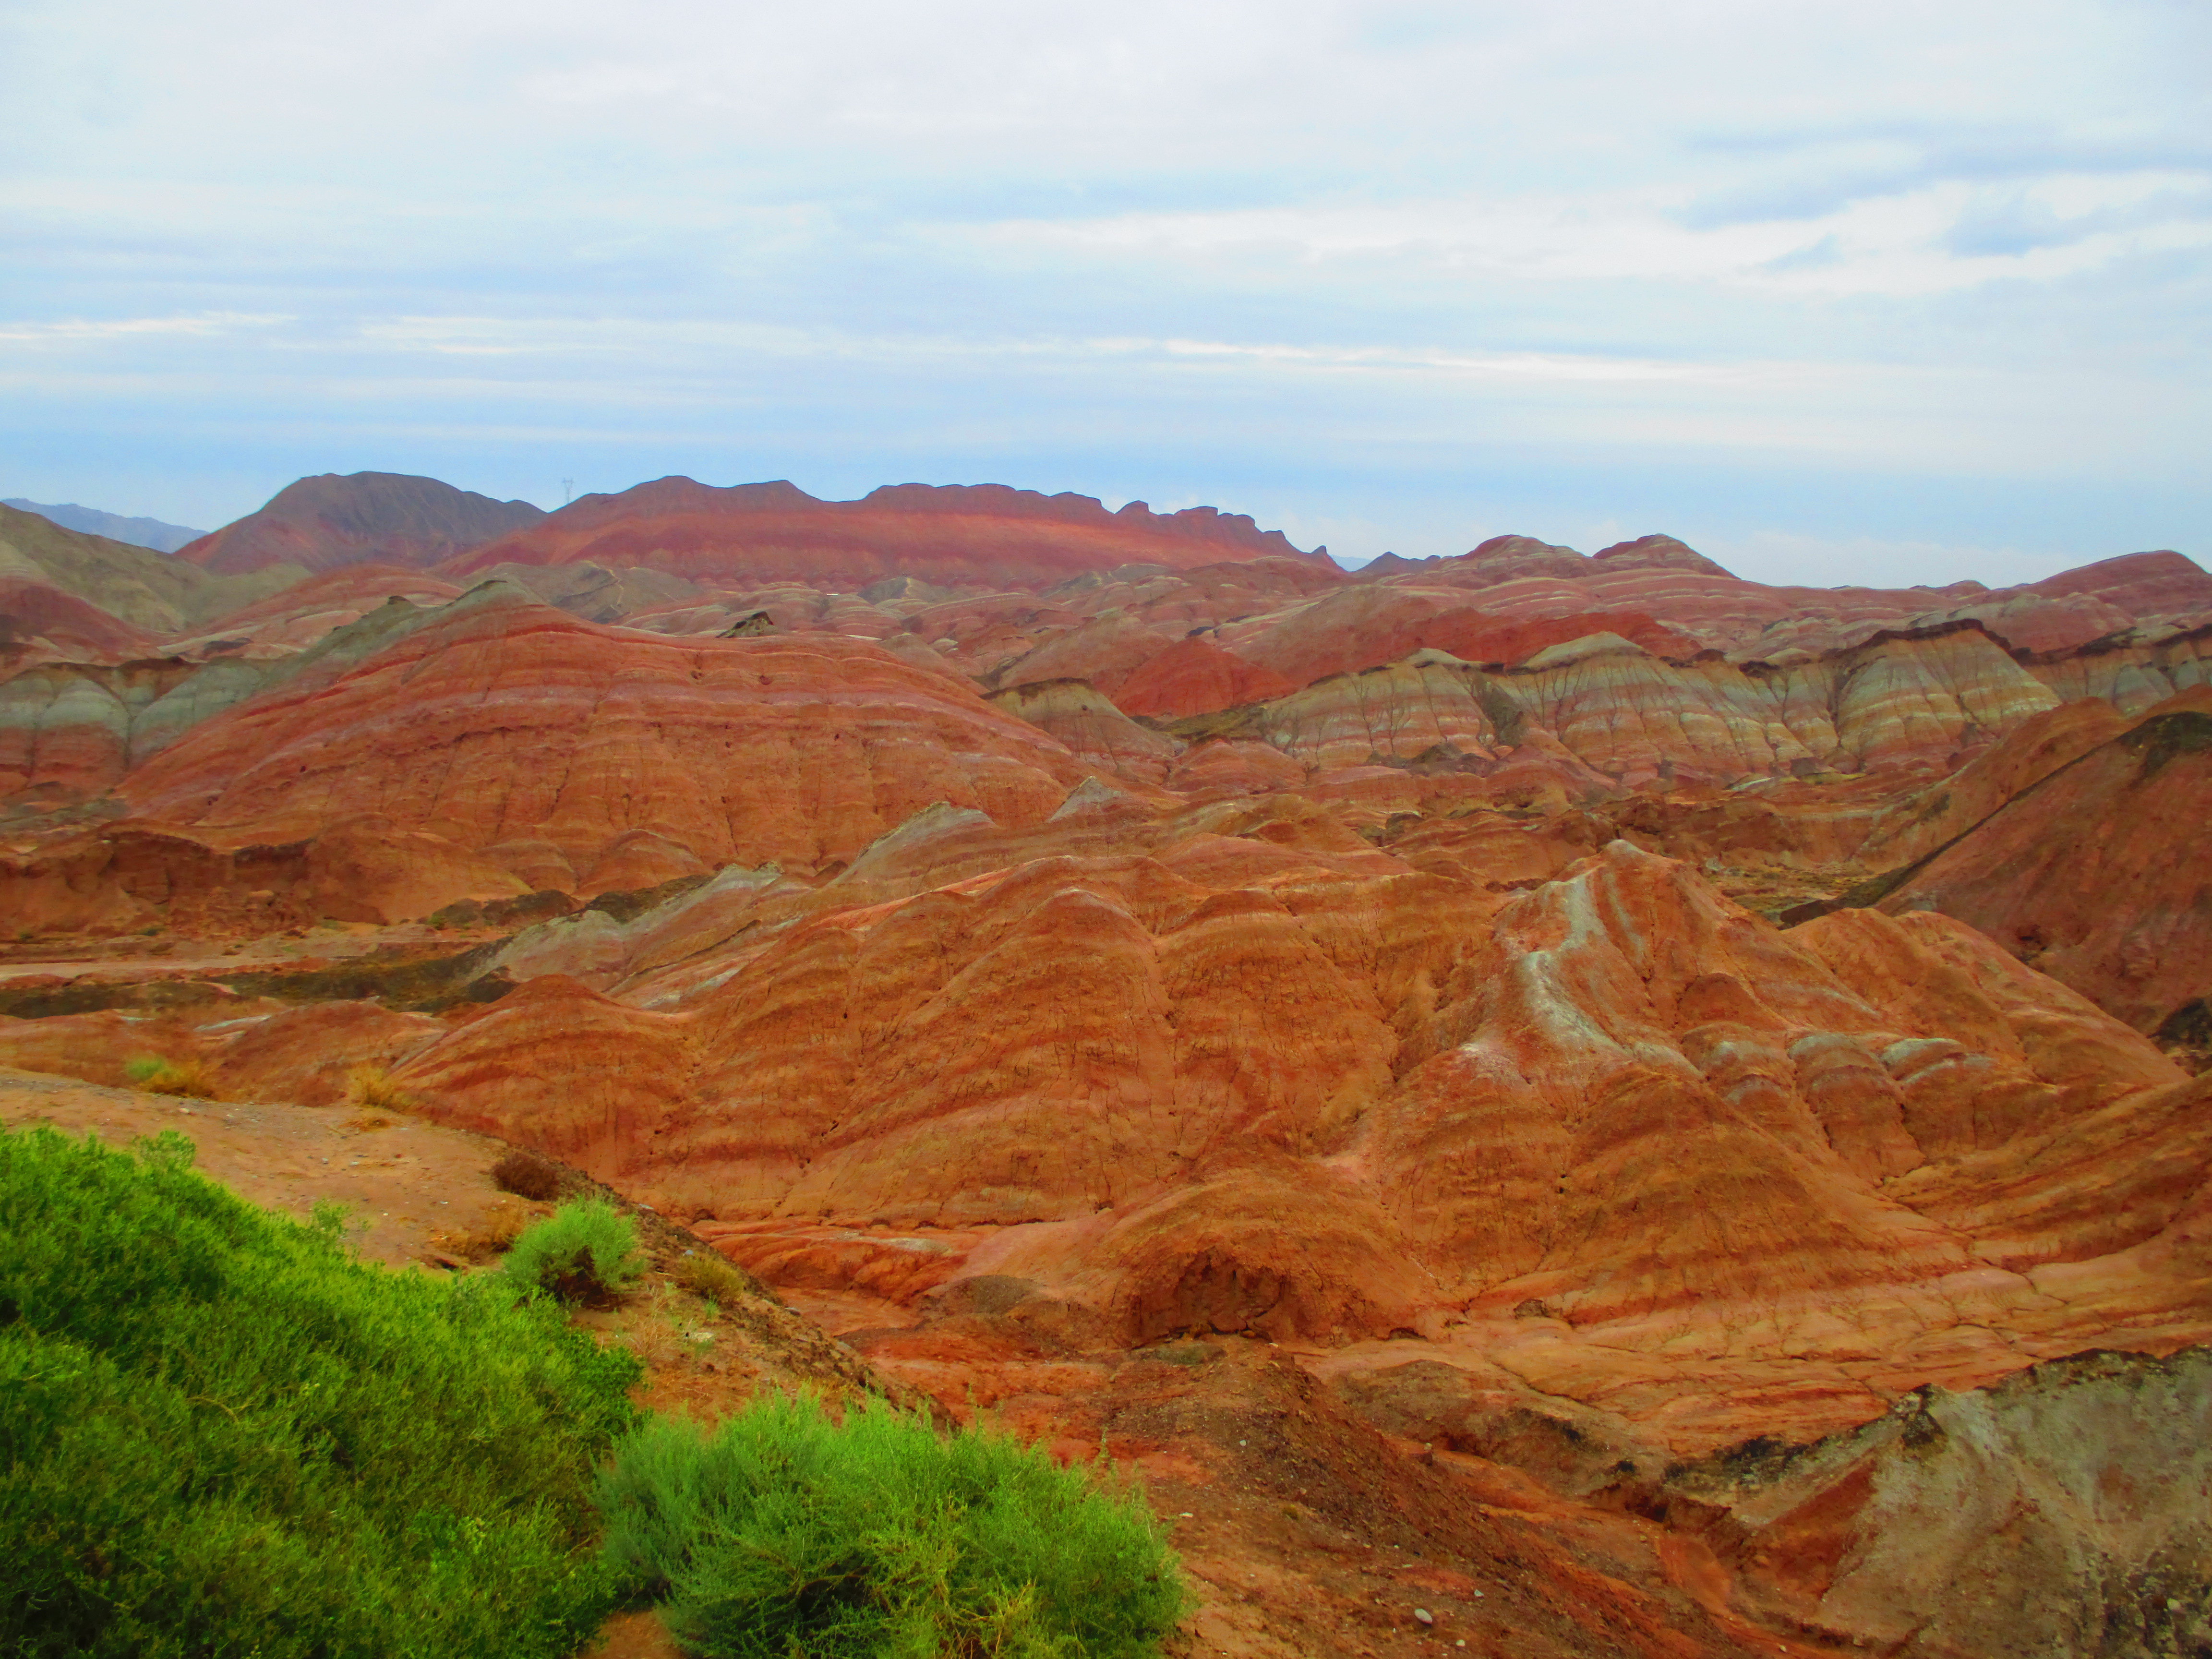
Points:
(299, 617)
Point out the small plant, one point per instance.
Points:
(158, 1075)
(713, 1278)
(371, 1088)
(494, 1236)
(783, 1533)
(586, 1251)
(527, 1175)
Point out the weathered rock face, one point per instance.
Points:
(320, 523)
(638, 596)
(2060, 1511)
(1624, 1032)
(70, 731)
(131, 876)
(1102, 653)
(985, 533)
(2099, 872)
(499, 721)
(1281, 649)
(1656, 553)
(874, 1055)
(66, 729)
(1933, 817)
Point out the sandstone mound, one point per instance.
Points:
(320, 523)
(1519, 578)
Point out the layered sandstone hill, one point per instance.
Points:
(1518, 577)
(303, 615)
(141, 588)
(955, 534)
(39, 622)
(1925, 700)
(69, 731)
(526, 734)
(2098, 868)
(320, 523)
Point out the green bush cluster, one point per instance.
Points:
(583, 1252)
(220, 1434)
(783, 1534)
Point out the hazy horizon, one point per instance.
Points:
(1904, 295)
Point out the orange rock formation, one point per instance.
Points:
(983, 532)
(1050, 942)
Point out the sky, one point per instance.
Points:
(1884, 294)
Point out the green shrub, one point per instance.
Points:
(583, 1252)
(784, 1534)
(221, 1434)
(713, 1278)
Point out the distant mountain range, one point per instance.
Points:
(142, 533)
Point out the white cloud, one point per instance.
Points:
(1892, 241)
(122, 328)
